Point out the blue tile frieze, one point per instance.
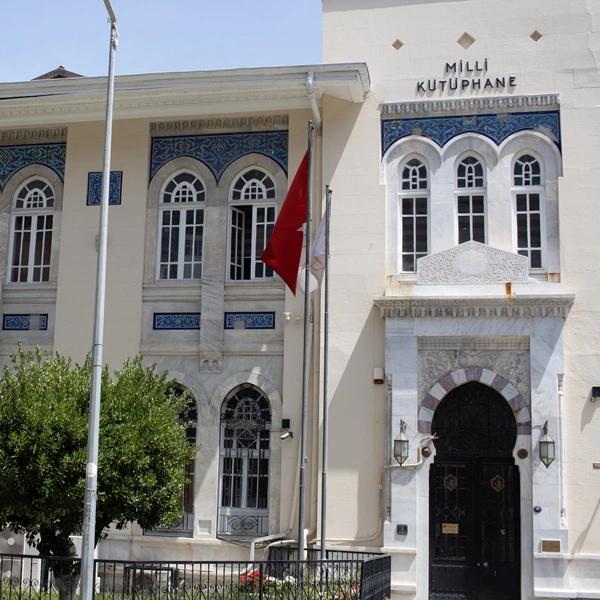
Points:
(249, 320)
(15, 158)
(94, 188)
(25, 322)
(218, 151)
(177, 321)
(496, 127)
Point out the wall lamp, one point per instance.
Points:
(547, 447)
(402, 448)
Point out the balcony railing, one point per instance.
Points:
(242, 526)
(39, 578)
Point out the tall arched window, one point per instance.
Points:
(528, 193)
(470, 184)
(181, 225)
(245, 451)
(252, 219)
(413, 196)
(32, 223)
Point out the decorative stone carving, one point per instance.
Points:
(473, 262)
(246, 123)
(425, 107)
(557, 306)
(34, 135)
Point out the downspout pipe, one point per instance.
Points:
(310, 92)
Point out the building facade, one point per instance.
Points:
(460, 140)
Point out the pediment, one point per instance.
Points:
(473, 262)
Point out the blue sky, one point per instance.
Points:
(157, 35)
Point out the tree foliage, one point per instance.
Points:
(43, 436)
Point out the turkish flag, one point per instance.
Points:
(284, 249)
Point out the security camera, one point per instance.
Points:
(286, 434)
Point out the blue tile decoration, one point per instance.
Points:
(218, 151)
(15, 158)
(496, 127)
(25, 322)
(249, 320)
(94, 188)
(169, 321)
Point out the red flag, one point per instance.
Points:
(284, 249)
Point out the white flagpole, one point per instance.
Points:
(306, 352)
(325, 381)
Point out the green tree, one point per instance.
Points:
(43, 436)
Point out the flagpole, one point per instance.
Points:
(325, 381)
(305, 353)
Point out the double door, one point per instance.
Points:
(474, 530)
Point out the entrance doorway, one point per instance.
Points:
(474, 516)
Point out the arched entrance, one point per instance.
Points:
(474, 515)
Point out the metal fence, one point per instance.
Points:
(38, 578)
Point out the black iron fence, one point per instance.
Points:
(39, 578)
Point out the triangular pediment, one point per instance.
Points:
(473, 262)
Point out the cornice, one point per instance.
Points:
(473, 105)
(530, 307)
(237, 124)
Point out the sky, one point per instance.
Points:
(157, 35)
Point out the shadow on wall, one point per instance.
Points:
(357, 431)
(342, 5)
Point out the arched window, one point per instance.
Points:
(189, 417)
(470, 198)
(252, 217)
(32, 223)
(528, 192)
(245, 451)
(181, 224)
(413, 199)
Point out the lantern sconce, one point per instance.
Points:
(402, 448)
(547, 447)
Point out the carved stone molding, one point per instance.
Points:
(464, 343)
(473, 262)
(497, 103)
(255, 123)
(15, 136)
(529, 307)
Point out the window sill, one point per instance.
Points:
(165, 291)
(43, 293)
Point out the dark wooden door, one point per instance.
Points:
(474, 500)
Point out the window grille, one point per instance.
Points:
(32, 225)
(245, 457)
(414, 201)
(252, 218)
(181, 228)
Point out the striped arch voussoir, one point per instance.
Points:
(452, 380)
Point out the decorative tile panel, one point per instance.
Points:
(249, 320)
(25, 322)
(94, 188)
(15, 158)
(218, 151)
(496, 127)
(170, 321)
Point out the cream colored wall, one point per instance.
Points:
(77, 267)
(357, 406)
(564, 61)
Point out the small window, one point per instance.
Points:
(181, 228)
(252, 218)
(413, 206)
(527, 179)
(470, 200)
(32, 226)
